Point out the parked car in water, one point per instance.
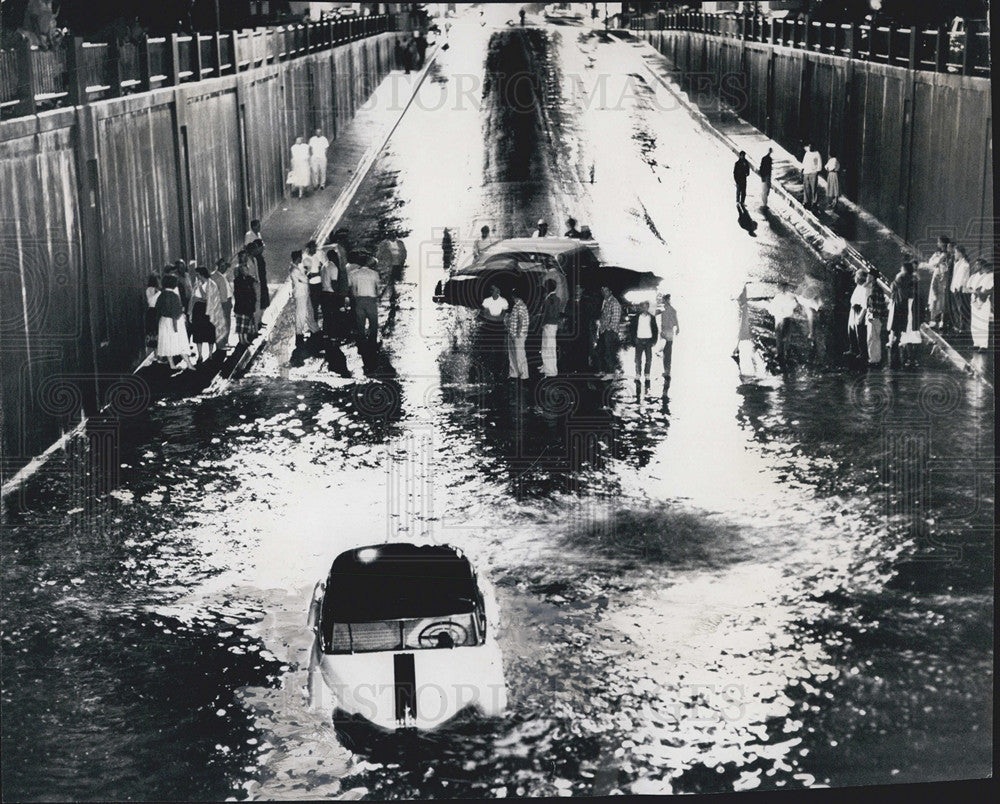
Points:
(405, 638)
(528, 260)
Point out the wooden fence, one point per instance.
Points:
(937, 50)
(95, 196)
(80, 72)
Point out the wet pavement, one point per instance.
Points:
(770, 581)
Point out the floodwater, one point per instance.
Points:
(763, 582)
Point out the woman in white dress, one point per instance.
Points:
(172, 337)
(832, 181)
(305, 321)
(298, 176)
(981, 288)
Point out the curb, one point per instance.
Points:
(839, 246)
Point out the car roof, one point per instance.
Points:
(553, 246)
(398, 581)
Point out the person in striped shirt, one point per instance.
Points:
(517, 335)
(607, 334)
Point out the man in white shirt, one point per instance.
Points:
(494, 306)
(318, 145)
(253, 233)
(312, 262)
(542, 230)
(783, 308)
(363, 282)
(644, 333)
(391, 257)
(812, 164)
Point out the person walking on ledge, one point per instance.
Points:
(318, 145)
(766, 166)
(812, 164)
(832, 182)
(298, 176)
(741, 170)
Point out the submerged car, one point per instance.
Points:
(404, 638)
(527, 261)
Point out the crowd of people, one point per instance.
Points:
(959, 296)
(411, 53)
(192, 309)
(336, 294)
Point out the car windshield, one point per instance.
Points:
(426, 633)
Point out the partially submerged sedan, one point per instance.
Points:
(527, 261)
(403, 638)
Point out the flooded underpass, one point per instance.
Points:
(769, 582)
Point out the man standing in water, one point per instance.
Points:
(517, 335)
(668, 329)
(783, 308)
(551, 312)
(607, 334)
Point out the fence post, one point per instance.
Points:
(25, 79)
(76, 80)
(889, 50)
(196, 56)
(968, 57)
(142, 53)
(912, 60)
(807, 34)
(941, 50)
(174, 61)
(234, 46)
(307, 28)
(217, 53)
(115, 68)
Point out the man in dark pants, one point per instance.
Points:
(607, 334)
(331, 294)
(741, 170)
(644, 334)
(364, 286)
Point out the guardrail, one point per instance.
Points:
(935, 50)
(79, 72)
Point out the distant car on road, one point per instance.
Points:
(404, 639)
(562, 12)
